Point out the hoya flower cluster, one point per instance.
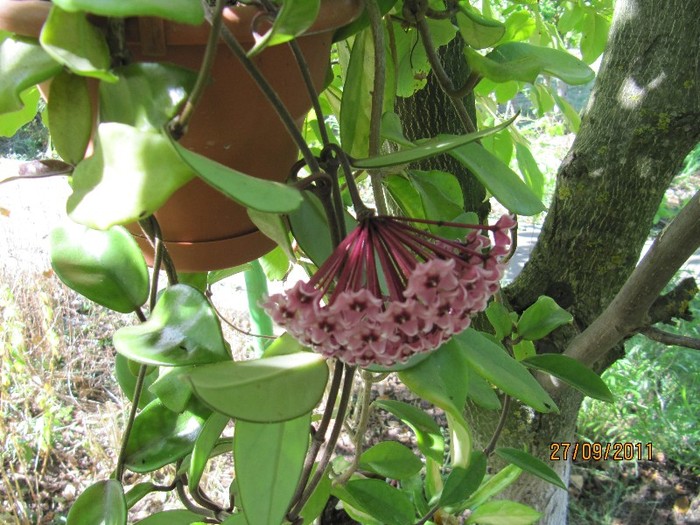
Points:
(391, 290)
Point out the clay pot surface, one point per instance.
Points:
(234, 124)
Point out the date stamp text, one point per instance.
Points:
(598, 451)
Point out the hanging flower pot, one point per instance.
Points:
(233, 124)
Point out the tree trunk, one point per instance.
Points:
(641, 122)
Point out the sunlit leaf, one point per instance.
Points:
(390, 459)
(461, 482)
(171, 517)
(541, 318)
(212, 429)
(477, 30)
(572, 372)
(263, 390)
(105, 266)
(10, 123)
(503, 512)
(382, 501)
(293, 18)
(530, 464)
(102, 503)
(184, 11)
(127, 381)
(268, 458)
(70, 116)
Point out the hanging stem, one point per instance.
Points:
(499, 428)
(375, 141)
(360, 208)
(269, 93)
(178, 125)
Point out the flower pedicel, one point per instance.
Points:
(391, 290)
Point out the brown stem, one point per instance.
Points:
(499, 428)
(670, 339)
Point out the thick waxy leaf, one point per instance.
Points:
(105, 266)
(171, 517)
(503, 513)
(428, 148)
(24, 64)
(10, 123)
(184, 11)
(127, 380)
(572, 372)
(531, 464)
(138, 492)
(269, 458)
(381, 501)
(482, 393)
(441, 379)
(160, 436)
(70, 116)
(274, 227)
(390, 459)
(524, 349)
(461, 482)
(530, 170)
(146, 96)
(318, 499)
(251, 192)
(294, 17)
(499, 318)
(132, 173)
(541, 318)
(493, 363)
(492, 486)
(595, 29)
(74, 42)
(356, 104)
(203, 446)
(183, 329)
(524, 62)
(441, 197)
(428, 436)
(477, 30)
(173, 387)
(102, 503)
(502, 182)
(362, 21)
(263, 390)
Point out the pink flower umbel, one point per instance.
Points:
(391, 290)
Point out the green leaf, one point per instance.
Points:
(160, 436)
(275, 267)
(500, 144)
(524, 349)
(24, 64)
(184, 11)
(441, 379)
(172, 387)
(132, 173)
(127, 380)
(493, 363)
(105, 266)
(428, 436)
(183, 329)
(461, 482)
(530, 464)
(524, 62)
(381, 501)
(362, 21)
(492, 486)
(283, 345)
(530, 170)
(390, 459)
(499, 318)
(541, 318)
(70, 116)
(482, 393)
(251, 192)
(293, 18)
(274, 227)
(427, 148)
(499, 179)
(573, 119)
(77, 44)
(269, 458)
(477, 30)
(595, 29)
(263, 390)
(503, 513)
(317, 501)
(171, 517)
(356, 104)
(212, 429)
(146, 96)
(138, 492)
(572, 372)
(440, 195)
(519, 26)
(102, 503)
(10, 123)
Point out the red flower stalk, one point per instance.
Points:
(391, 290)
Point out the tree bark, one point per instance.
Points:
(640, 123)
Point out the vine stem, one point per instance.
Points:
(330, 445)
(178, 126)
(375, 141)
(499, 428)
(269, 93)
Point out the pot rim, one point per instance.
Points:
(27, 17)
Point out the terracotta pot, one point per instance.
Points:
(234, 124)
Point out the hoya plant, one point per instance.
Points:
(402, 276)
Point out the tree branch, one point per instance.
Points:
(670, 339)
(629, 310)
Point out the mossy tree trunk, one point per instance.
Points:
(642, 120)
